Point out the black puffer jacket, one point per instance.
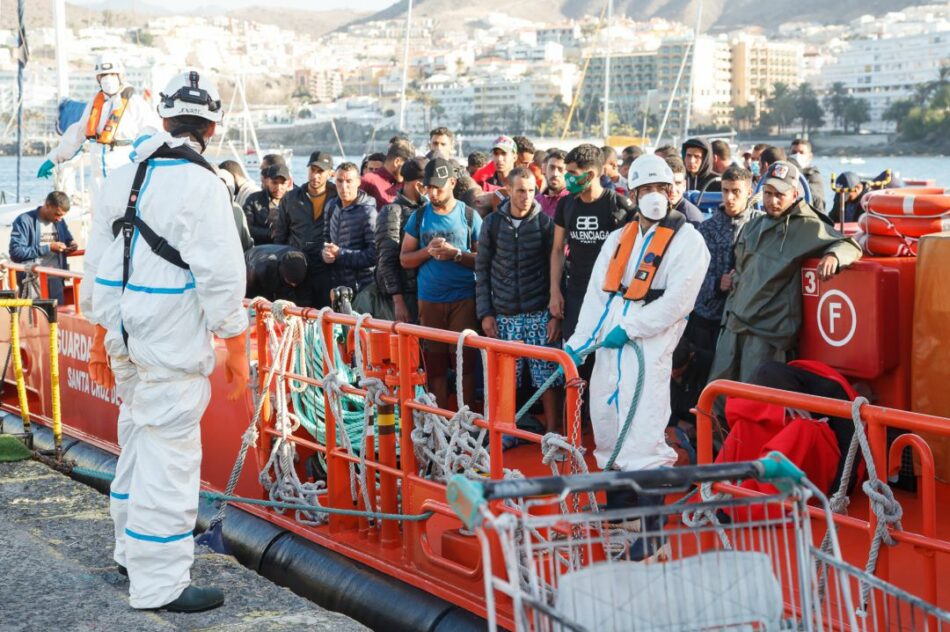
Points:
(353, 229)
(512, 266)
(705, 179)
(257, 211)
(293, 224)
(391, 277)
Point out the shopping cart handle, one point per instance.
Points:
(776, 465)
(467, 497)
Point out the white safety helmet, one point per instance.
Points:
(108, 64)
(191, 94)
(648, 169)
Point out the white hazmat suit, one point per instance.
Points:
(169, 314)
(138, 116)
(657, 327)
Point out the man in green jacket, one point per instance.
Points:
(763, 312)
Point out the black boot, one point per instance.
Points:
(195, 599)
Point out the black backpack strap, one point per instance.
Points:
(469, 220)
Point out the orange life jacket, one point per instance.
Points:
(640, 287)
(107, 135)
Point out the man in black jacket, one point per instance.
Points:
(350, 244)
(512, 280)
(394, 282)
(299, 222)
(698, 157)
(276, 272)
(261, 207)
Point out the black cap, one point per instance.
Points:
(278, 171)
(438, 172)
(321, 159)
(413, 169)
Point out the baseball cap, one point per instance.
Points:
(782, 175)
(321, 159)
(278, 171)
(506, 144)
(848, 180)
(438, 172)
(413, 169)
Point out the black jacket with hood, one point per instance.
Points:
(293, 224)
(391, 277)
(512, 273)
(705, 179)
(353, 229)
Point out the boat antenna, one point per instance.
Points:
(405, 72)
(580, 83)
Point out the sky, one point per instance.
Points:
(188, 5)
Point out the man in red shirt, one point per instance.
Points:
(383, 184)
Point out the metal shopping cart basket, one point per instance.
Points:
(716, 563)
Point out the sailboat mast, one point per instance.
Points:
(405, 70)
(692, 71)
(21, 63)
(59, 22)
(610, 14)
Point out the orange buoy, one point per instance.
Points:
(884, 246)
(912, 190)
(908, 226)
(902, 204)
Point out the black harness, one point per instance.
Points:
(131, 221)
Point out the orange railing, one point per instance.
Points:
(877, 420)
(43, 275)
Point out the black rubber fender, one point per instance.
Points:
(375, 600)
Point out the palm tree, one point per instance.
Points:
(835, 101)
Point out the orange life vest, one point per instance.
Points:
(107, 135)
(640, 287)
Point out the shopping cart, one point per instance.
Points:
(709, 563)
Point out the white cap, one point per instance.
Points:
(648, 169)
(191, 94)
(109, 63)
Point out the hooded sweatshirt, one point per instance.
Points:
(704, 179)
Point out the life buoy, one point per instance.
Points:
(883, 246)
(919, 205)
(902, 226)
(913, 190)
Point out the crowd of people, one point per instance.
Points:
(590, 249)
(507, 244)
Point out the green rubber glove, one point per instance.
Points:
(575, 356)
(46, 169)
(615, 338)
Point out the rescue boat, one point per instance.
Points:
(370, 448)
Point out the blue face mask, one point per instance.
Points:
(756, 168)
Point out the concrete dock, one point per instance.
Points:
(57, 571)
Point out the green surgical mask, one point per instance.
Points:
(576, 184)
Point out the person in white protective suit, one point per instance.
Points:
(112, 120)
(644, 284)
(154, 312)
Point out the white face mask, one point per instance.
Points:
(654, 206)
(110, 84)
(801, 159)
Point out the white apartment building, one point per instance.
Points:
(758, 63)
(888, 69)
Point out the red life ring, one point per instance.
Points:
(925, 205)
(881, 246)
(902, 226)
(913, 190)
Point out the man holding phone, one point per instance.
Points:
(41, 237)
(441, 240)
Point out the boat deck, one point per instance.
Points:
(56, 544)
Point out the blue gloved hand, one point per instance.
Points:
(575, 356)
(615, 338)
(46, 169)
